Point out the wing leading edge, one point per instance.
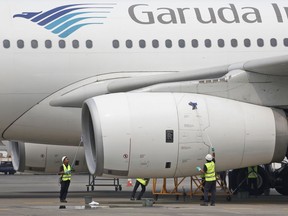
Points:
(261, 82)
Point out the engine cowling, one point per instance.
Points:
(169, 134)
(42, 158)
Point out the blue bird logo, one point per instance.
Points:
(66, 19)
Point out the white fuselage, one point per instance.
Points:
(190, 34)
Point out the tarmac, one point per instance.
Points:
(27, 194)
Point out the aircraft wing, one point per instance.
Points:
(76, 97)
(266, 71)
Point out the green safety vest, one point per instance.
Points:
(143, 181)
(252, 172)
(66, 177)
(210, 173)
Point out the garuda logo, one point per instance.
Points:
(66, 19)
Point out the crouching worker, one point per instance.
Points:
(139, 181)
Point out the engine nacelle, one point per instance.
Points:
(42, 158)
(169, 134)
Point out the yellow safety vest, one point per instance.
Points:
(66, 177)
(252, 172)
(143, 181)
(210, 173)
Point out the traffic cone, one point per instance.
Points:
(129, 183)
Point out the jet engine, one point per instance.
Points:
(169, 134)
(42, 158)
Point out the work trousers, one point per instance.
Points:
(253, 188)
(210, 186)
(64, 189)
(137, 184)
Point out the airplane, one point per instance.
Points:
(151, 86)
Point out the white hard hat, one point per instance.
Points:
(63, 158)
(209, 157)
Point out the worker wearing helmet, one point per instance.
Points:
(65, 172)
(210, 178)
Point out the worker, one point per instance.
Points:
(139, 181)
(252, 180)
(210, 178)
(65, 172)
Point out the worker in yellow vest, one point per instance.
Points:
(252, 180)
(139, 181)
(65, 172)
(210, 178)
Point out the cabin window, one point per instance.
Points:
(129, 44)
(20, 44)
(234, 42)
(273, 42)
(208, 43)
(181, 43)
(155, 43)
(34, 44)
(286, 42)
(62, 44)
(142, 43)
(247, 42)
(221, 43)
(89, 44)
(194, 43)
(48, 44)
(260, 42)
(115, 44)
(6, 44)
(75, 44)
(168, 43)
